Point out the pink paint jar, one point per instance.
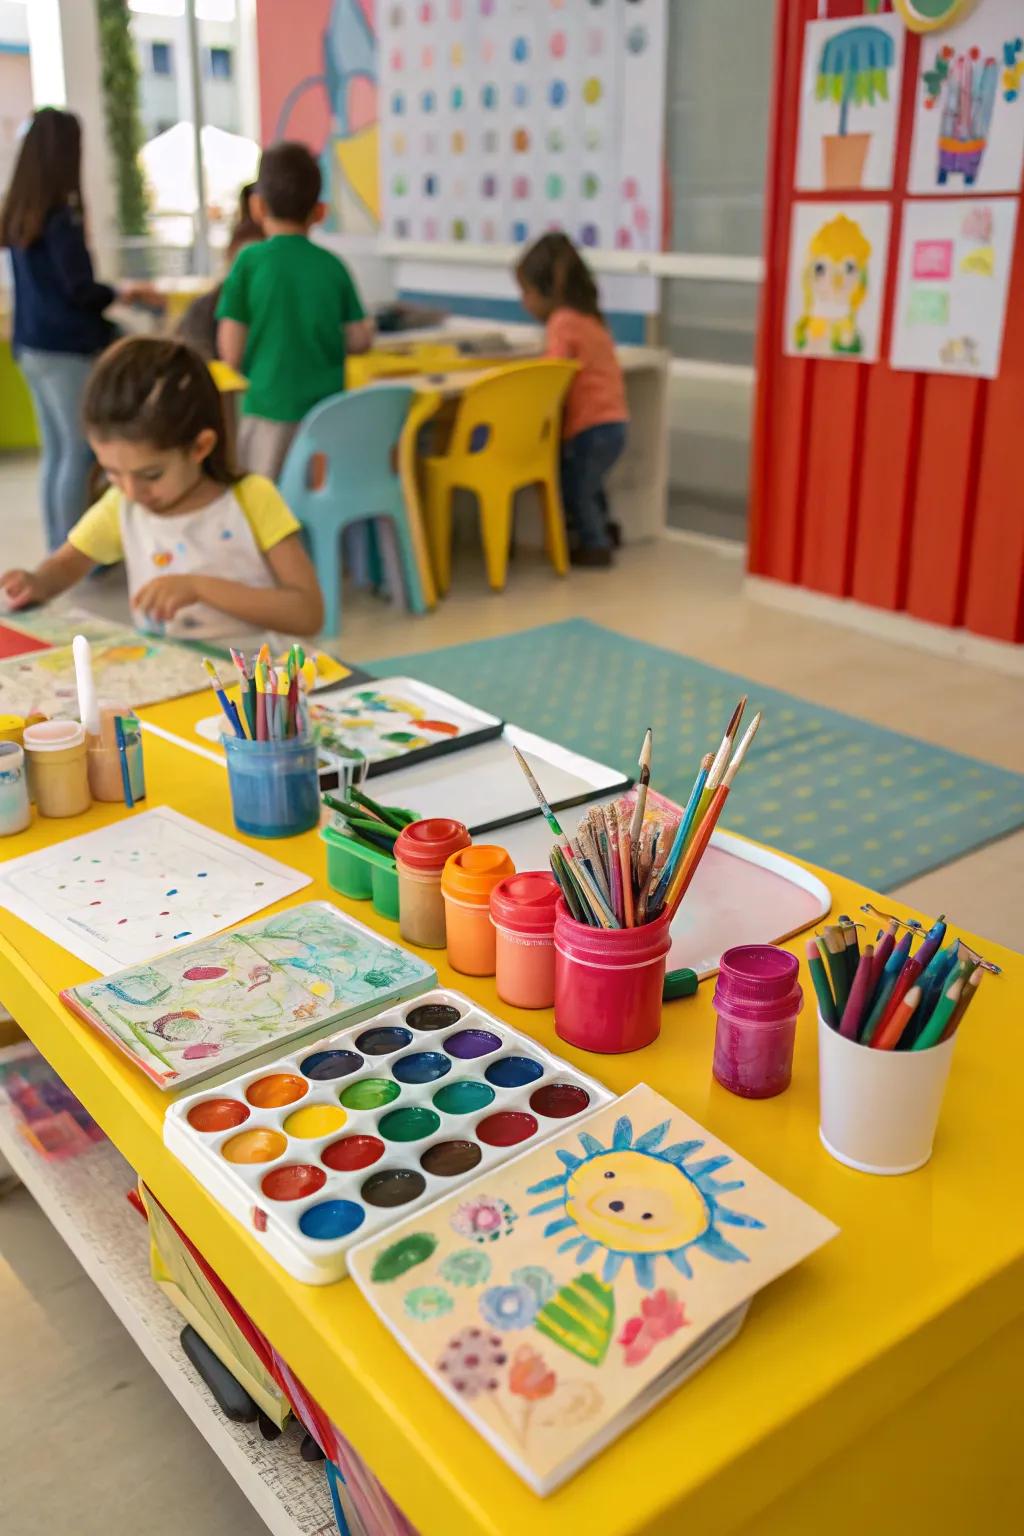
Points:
(467, 882)
(757, 1000)
(523, 913)
(422, 849)
(608, 983)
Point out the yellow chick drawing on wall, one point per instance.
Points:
(834, 282)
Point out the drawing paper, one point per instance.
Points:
(131, 671)
(148, 883)
(954, 281)
(558, 1297)
(837, 264)
(199, 1009)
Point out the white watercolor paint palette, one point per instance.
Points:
(339, 1139)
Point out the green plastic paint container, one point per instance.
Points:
(359, 872)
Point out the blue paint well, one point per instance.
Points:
(513, 1071)
(331, 1219)
(421, 1067)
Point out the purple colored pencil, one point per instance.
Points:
(859, 993)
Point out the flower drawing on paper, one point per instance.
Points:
(509, 1306)
(426, 1302)
(483, 1219)
(467, 1266)
(530, 1376)
(536, 1279)
(472, 1362)
(661, 1315)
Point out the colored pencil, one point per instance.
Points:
(626, 871)
(568, 889)
(642, 786)
(261, 701)
(967, 994)
(855, 1003)
(932, 941)
(942, 1015)
(230, 712)
(892, 1028)
(835, 954)
(826, 1002)
(122, 752)
(883, 949)
(883, 1037)
(851, 941)
(682, 831)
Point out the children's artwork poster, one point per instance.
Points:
(837, 264)
(143, 885)
(551, 1300)
(129, 669)
(954, 279)
(499, 121)
(969, 106)
(849, 104)
(197, 1009)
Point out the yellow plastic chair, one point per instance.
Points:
(505, 437)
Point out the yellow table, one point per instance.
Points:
(876, 1389)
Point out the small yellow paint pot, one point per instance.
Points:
(254, 1147)
(315, 1120)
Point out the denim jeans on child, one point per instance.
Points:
(57, 383)
(586, 460)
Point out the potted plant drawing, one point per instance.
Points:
(853, 71)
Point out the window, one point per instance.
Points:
(161, 58)
(218, 63)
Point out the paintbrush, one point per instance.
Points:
(230, 712)
(695, 850)
(641, 788)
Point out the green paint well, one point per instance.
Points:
(409, 1124)
(370, 1093)
(463, 1098)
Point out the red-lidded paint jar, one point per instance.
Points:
(523, 913)
(422, 849)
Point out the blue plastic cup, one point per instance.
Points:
(274, 787)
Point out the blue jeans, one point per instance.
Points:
(57, 383)
(586, 460)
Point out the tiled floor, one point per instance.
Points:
(59, 1344)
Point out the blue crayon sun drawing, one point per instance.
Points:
(641, 1201)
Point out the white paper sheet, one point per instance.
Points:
(147, 884)
(954, 279)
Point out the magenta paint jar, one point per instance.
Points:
(523, 913)
(608, 983)
(757, 1000)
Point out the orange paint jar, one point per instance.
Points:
(523, 914)
(467, 882)
(421, 851)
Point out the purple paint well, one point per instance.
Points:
(469, 1043)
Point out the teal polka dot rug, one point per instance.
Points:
(856, 798)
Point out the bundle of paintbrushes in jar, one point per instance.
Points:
(622, 878)
(270, 749)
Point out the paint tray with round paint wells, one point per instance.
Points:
(339, 1139)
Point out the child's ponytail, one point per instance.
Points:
(149, 389)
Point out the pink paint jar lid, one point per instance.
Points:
(429, 844)
(758, 983)
(526, 903)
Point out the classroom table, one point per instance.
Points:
(878, 1387)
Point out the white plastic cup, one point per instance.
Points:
(879, 1109)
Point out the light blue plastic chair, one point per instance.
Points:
(356, 438)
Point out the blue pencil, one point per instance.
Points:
(682, 832)
(122, 751)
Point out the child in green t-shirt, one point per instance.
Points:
(288, 312)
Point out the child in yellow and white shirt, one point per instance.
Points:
(208, 553)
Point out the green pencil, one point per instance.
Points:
(826, 1002)
(835, 954)
(941, 1015)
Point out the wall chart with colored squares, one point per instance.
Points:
(561, 1296)
(499, 122)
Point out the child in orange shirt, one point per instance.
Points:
(558, 287)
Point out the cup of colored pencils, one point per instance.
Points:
(888, 1017)
(271, 752)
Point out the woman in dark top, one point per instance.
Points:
(59, 325)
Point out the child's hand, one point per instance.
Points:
(165, 596)
(21, 588)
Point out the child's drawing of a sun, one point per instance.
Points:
(639, 1200)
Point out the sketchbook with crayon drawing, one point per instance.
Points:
(556, 1299)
